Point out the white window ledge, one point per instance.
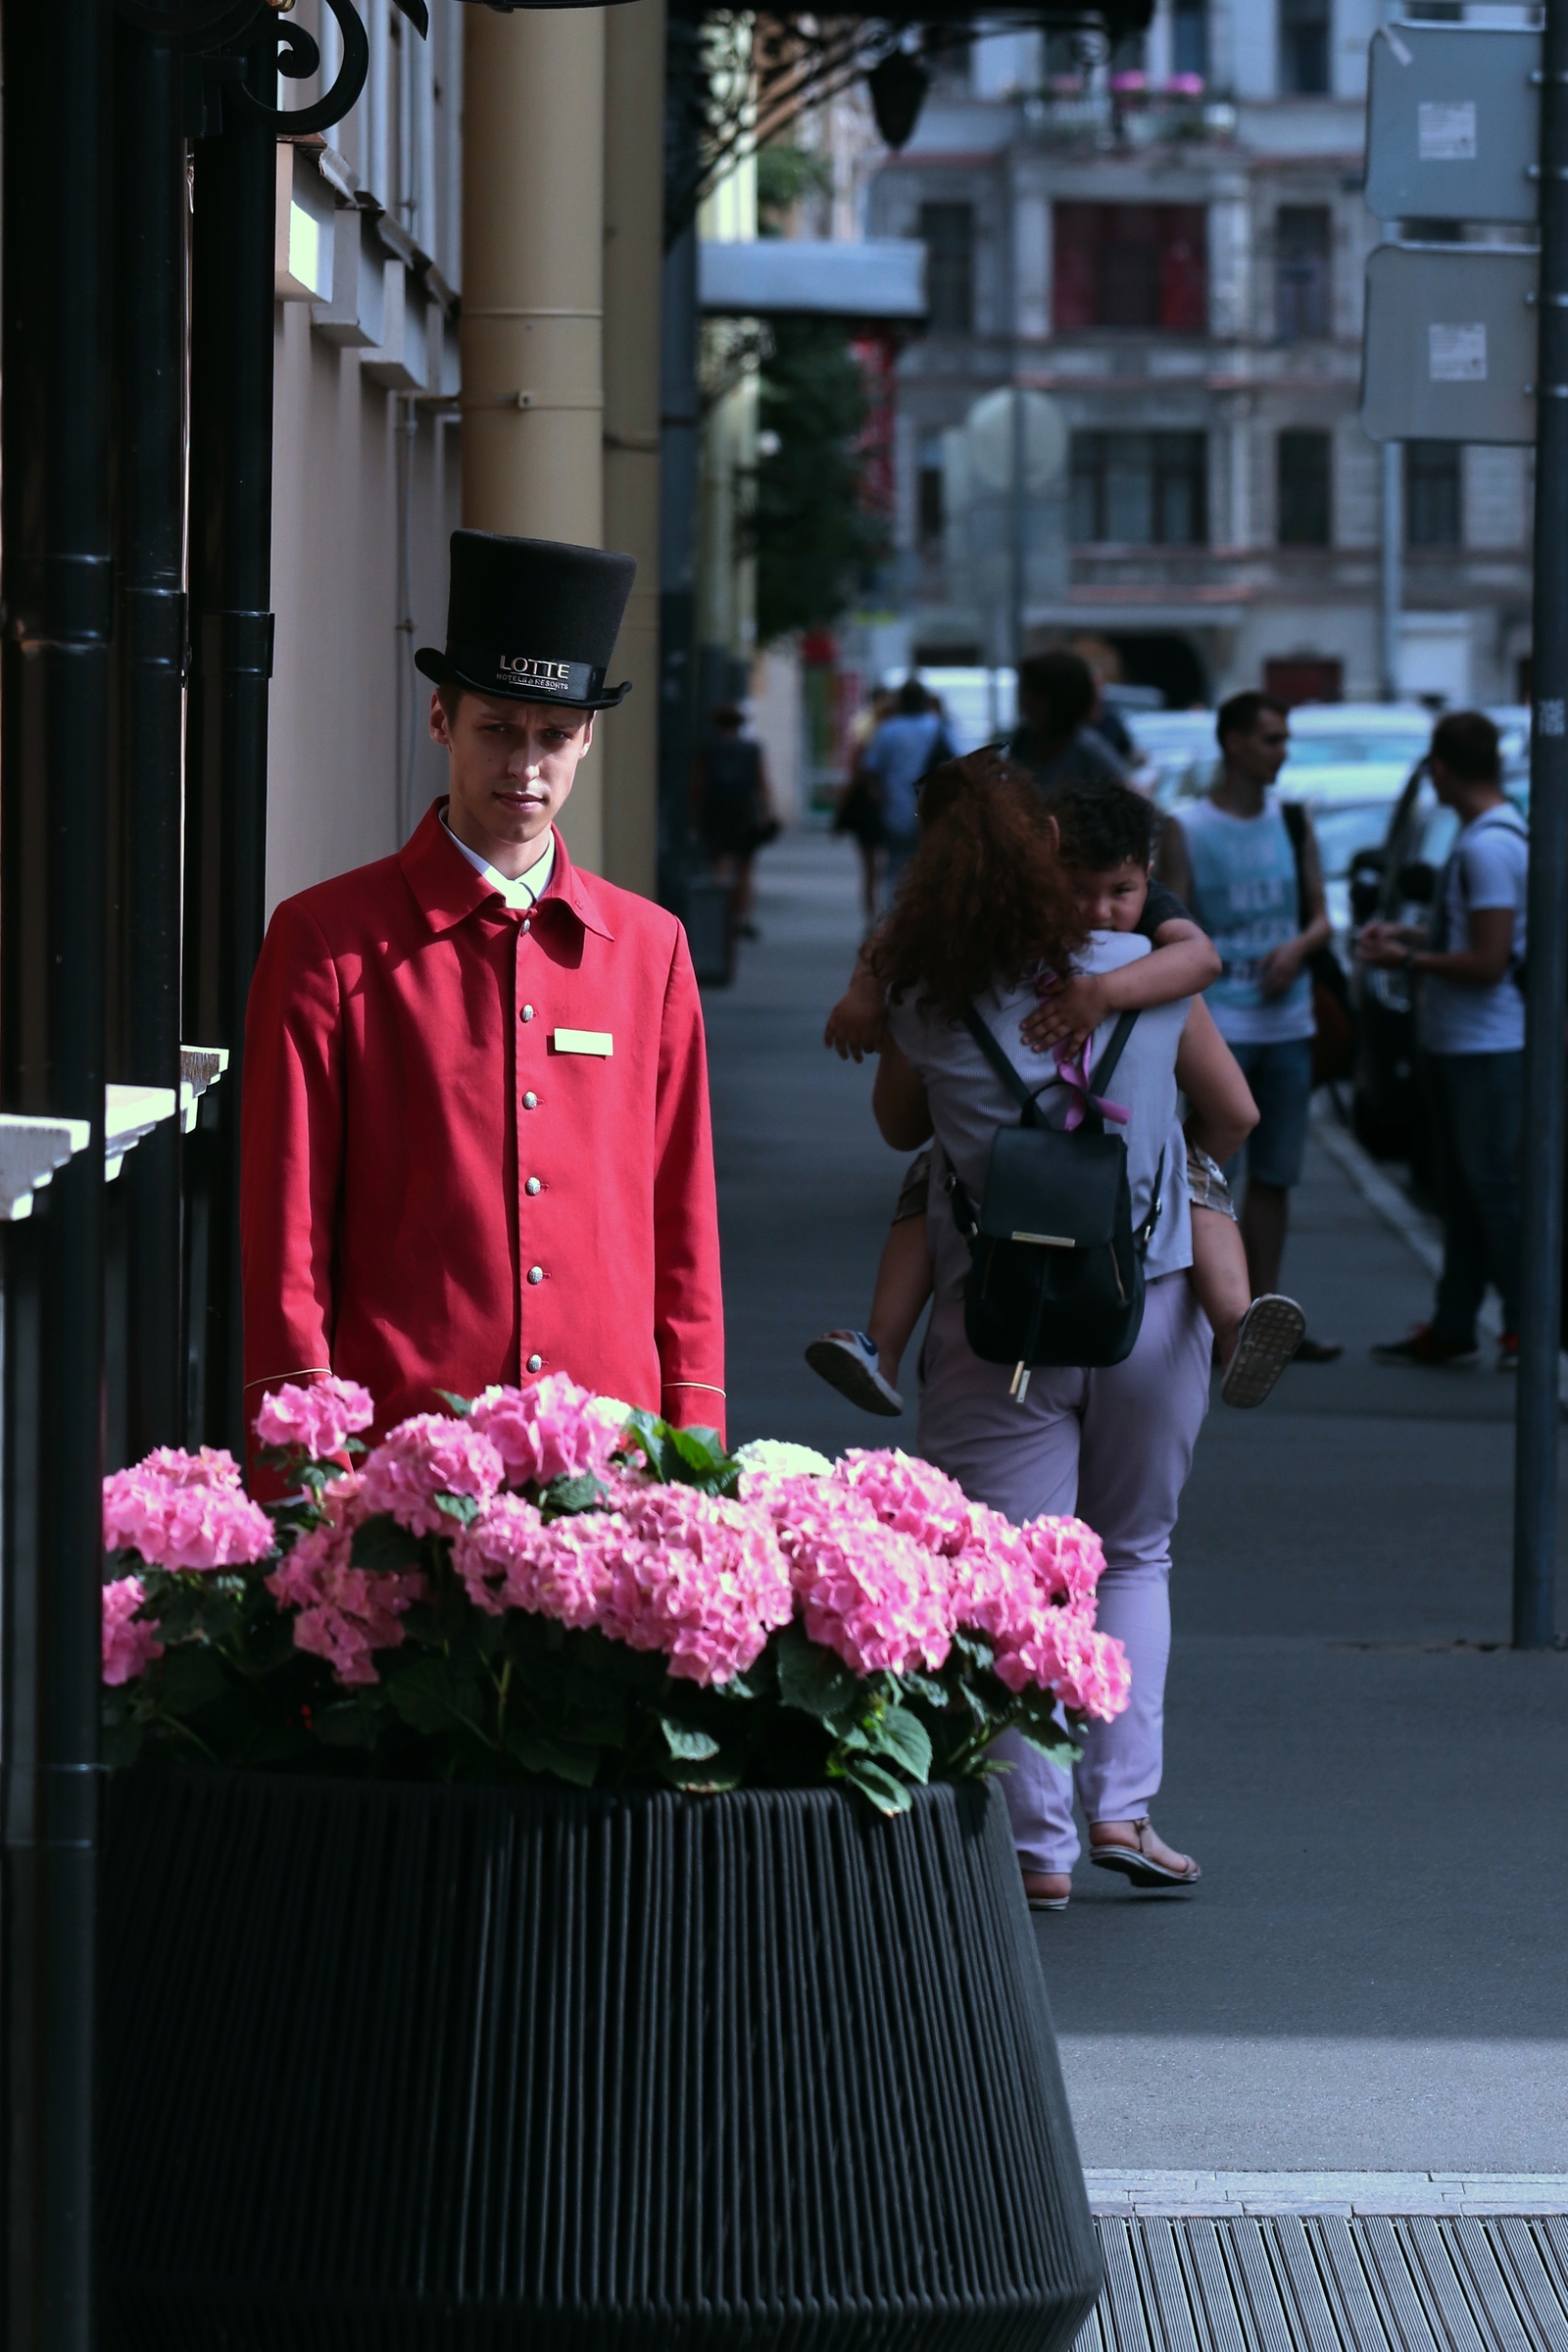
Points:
(200, 1066)
(30, 1151)
(131, 1113)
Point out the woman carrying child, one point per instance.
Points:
(987, 909)
(1105, 832)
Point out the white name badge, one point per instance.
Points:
(583, 1041)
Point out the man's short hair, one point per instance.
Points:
(1467, 743)
(913, 699)
(1102, 823)
(1064, 683)
(1240, 713)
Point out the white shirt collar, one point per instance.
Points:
(528, 890)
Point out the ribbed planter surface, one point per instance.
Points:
(394, 2067)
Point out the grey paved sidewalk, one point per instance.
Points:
(1373, 1975)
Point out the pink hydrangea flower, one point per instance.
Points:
(909, 1494)
(509, 1559)
(1069, 1558)
(181, 1510)
(209, 1466)
(873, 1595)
(320, 1417)
(1065, 1653)
(551, 1429)
(130, 1642)
(431, 1455)
(701, 1578)
(344, 1614)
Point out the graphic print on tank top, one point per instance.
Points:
(1245, 894)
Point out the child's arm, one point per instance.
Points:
(857, 1024)
(1184, 961)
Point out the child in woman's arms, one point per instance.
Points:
(1106, 842)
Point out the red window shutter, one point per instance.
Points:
(1184, 269)
(1075, 273)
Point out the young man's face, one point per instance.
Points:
(1260, 752)
(513, 763)
(1113, 898)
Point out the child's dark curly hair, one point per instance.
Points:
(1102, 824)
(985, 898)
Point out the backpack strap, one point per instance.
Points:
(1295, 816)
(1101, 1078)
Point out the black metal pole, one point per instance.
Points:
(680, 450)
(150, 214)
(231, 563)
(1534, 1543)
(54, 747)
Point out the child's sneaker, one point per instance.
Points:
(847, 1361)
(1272, 1330)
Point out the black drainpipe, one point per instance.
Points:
(58, 610)
(150, 215)
(231, 564)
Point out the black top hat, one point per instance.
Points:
(532, 619)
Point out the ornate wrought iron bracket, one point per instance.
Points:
(223, 33)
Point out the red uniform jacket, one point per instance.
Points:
(434, 1194)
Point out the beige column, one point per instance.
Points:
(634, 213)
(533, 164)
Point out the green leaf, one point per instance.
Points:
(347, 1723)
(429, 1695)
(703, 1779)
(462, 1406)
(535, 1753)
(888, 1794)
(380, 1543)
(811, 1679)
(189, 1679)
(1060, 1749)
(926, 1686)
(898, 1733)
(565, 1497)
(682, 1741)
(462, 1507)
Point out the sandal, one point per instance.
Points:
(847, 1361)
(1270, 1336)
(1035, 1881)
(1136, 1862)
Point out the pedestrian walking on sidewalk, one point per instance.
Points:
(905, 748)
(986, 905)
(1469, 966)
(1056, 740)
(1247, 877)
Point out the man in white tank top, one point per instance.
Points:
(1232, 859)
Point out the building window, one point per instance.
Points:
(930, 508)
(1306, 489)
(1301, 247)
(1189, 38)
(948, 233)
(1141, 489)
(1306, 26)
(1432, 493)
(1130, 264)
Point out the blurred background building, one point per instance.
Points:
(1168, 238)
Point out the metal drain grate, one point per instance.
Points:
(1288, 2282)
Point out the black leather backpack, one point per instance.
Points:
(1056, 1272)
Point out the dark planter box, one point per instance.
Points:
(402, 2066)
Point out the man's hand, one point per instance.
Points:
(858, 1023)
(1385, 944)
(1071, 1011)
(1281, 967)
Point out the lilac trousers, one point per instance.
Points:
(1116, 1447)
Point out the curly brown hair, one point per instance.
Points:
(985, 898)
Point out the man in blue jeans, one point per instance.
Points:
(1233, 860)
(1472, 1027)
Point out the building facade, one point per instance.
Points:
(1170, 244)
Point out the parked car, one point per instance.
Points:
(1395, 881)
